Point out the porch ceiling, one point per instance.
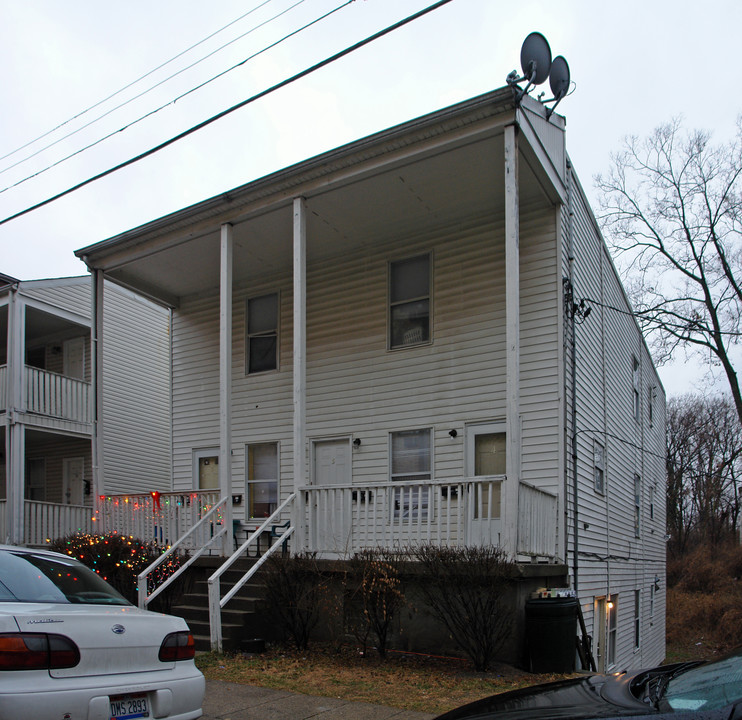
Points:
(382, 196)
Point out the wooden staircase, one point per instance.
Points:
(245, 625)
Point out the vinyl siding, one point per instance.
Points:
(612, 561)
(356, 387)
(136, 395)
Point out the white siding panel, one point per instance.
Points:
(356, 387)
(136, 393)
(612, 560)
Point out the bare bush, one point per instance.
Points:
(465, 589)
(377, 595)
(296, 589)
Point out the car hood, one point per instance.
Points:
(593, 696)
(111, 639)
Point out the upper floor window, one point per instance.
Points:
(650, 405)
(636, 383)
(637, 505)
(409, 301)
(262, 333)
(599, 467)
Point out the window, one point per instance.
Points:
(651, 503)
(637, 618)
(206, 469)
(262, 333)
(410, 455)
(35, 484)
(652, 591)
(599, 467)
(261, 484)
(635, 374)
(637, 505)
(409, 302)
(650, 406)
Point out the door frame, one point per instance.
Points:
(481, 531)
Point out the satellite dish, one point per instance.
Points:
(559, 77)
(558, 81)
(537, 65)
(535, 58)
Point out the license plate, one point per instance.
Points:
(125, 707)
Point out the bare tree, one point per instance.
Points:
(704, 462)
(671, 209)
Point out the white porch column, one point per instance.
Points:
(96, 396)
(15, 450)
(225, 381)
(512, 339)
(300, 367)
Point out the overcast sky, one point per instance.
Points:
(634, 65)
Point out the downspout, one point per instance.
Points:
(573, 370)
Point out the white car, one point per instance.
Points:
(72, 648)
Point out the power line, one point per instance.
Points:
(288, 81)
(131, 84)
(153, 87)
(171, 102)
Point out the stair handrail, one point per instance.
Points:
(215, 602)
(143, 598)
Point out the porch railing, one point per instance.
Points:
(537, 522)
(161, 517)
(341, 520)
(3, 387)
(48, 393)
(216, 601)
(204, 534)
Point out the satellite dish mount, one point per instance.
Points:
(537, 65)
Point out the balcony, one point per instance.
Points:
(50, 394)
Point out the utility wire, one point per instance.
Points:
(180, 97)
(131, 84)
(144, 92)
(288, 81)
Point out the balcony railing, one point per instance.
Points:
(45, 521)
(3, 387)
(54, 395)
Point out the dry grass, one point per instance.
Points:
(409, 682)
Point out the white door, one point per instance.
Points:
(485, 454)
(73, 480)
(333, 510)
(599, 633)
(74, 358)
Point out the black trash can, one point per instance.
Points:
(551, 629)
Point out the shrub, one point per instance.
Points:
(465, 589)
(375, 597)
(119, 559)
(295, 589)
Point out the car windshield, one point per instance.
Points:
(39, 578)
(706, 687)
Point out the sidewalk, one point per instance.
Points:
(232, 701)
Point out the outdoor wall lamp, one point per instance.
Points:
(357, 443)
(453, 433)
